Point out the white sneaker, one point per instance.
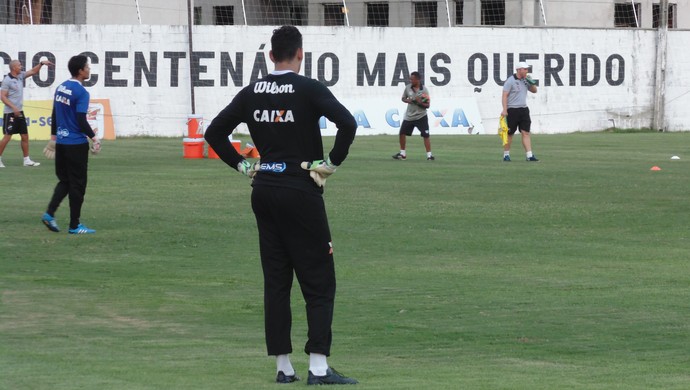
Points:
(1, 164)
(30, 163)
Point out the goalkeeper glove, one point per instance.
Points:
(49, 150)
(95, 146)
(248, 169)
(319, 170)
(530, 80)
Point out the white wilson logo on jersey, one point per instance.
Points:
(64, 90)
(272, 87)
(273, 116)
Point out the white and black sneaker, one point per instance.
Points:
(31, 163)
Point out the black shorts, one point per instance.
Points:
(422, 124)
(12, 124)
(519, 118)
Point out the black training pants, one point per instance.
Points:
(71, 167)
(294, 237)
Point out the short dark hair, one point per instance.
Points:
(76, 64)
(416, 74)
(285, 42)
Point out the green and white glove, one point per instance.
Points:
(530, 80)
(49, 150)
(248, 169)
(319, 170)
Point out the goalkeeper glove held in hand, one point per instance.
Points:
(49, 150)
(248, 169)
(95, 146)
(319, 170)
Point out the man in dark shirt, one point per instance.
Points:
(282, 112)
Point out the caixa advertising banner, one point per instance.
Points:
(377, 116)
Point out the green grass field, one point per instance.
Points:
(462, 273)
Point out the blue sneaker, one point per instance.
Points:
(532, 159)
(50, 222)
(506, 158)
(81, 229)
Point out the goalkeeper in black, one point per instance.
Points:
(282, 112)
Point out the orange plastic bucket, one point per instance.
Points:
(194, 126)
(193, 148)
(235, 144)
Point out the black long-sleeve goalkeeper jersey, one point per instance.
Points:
(282, 112)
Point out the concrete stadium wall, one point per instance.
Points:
(588, 77)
